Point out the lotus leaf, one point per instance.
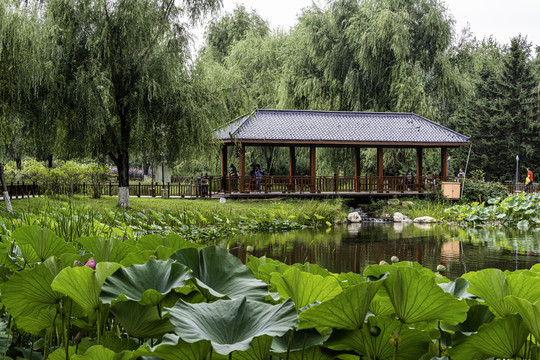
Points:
(379, 270)
(231, 325)
(346, 310)
(38, 244)
(416, 297)
(111, 341)
(139, 257)
(501, 338)
(148, 283)
(7, 261)
(59, 354)
(99, 352)
(305, 288)
(174, 348)
(83, 285)
(220, 274)
(259, 350)
(491, 286)
(172, 241)
(457, 288)
(111, 249)
(28, 293)
(530, 313)
(375, 338)
(4, 337)
(301, 340)
(312, 353)
(141, 321)
(523, 285)
(476, 316)
(350, 279)
(381, 304)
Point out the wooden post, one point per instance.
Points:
(139, 190)
(312, 167)
(444, 164)
(356, 169)
(380, 167)
(224, 160)
(419, 183)
(241, 168)
(292, 168)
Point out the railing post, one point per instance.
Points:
(139, 190)
(335, 182)
(110, 188)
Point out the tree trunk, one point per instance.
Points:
(123, 180)
(146, 168)
(4, 189)
(49, 160)
(18, 161)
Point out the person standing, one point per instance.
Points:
(531, 183)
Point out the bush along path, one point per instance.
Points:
(522, 210)
(168, 298)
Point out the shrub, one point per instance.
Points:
(478, 190)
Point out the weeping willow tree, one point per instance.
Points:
(21, 37)
(373, 55)
(124, 76)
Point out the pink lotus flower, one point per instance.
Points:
(91, 264)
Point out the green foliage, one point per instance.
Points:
(515, 210)
(168, 303)
(480, 191)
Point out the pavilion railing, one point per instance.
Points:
(325, 184)
(207, 186)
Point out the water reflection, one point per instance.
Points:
(352, 248)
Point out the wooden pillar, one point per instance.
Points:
(241, 168)
(357, 169)
(380, 167)
(224, 160)
(419, 184)
(312, 167)
(444, 163)
(292, 168)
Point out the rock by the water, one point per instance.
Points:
(393, 202)
(424, 219)
(398, 217)
(354, 217)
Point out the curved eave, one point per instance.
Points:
(327, 143)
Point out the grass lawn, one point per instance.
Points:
(331, 209)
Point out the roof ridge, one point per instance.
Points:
(242, 125)
(441, 126)
(337, 111)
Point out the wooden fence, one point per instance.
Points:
(210, 185)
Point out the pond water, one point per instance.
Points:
(353, 247)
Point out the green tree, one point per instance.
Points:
(502, 115)
(221, 34)
(125, 79)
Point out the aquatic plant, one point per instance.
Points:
(181, 300)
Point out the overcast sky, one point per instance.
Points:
(501, 18)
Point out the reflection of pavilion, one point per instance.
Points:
(450, 251)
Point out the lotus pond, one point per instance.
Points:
(164, 297)
(354, 247)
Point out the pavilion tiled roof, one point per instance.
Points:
(334, 127)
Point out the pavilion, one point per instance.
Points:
(313, 129)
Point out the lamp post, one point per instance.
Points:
(517, 171)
